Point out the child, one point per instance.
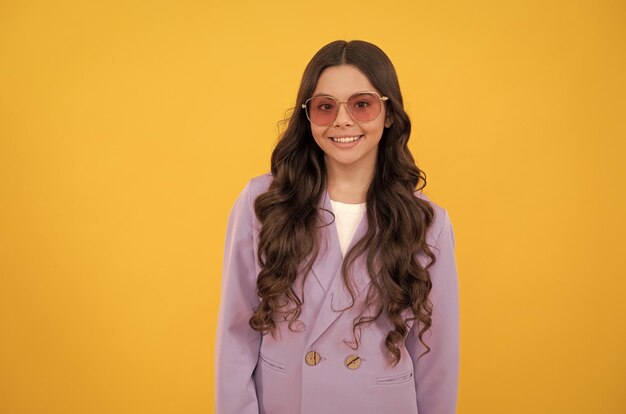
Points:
(340, 287)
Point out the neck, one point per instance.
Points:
(349, 183)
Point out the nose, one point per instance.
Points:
(343, 115)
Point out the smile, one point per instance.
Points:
(346, 139)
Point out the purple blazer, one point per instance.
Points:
(317, 370)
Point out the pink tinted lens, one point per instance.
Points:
(364, 106)
(322, 110)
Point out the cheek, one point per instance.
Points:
(318, 133)
(376, 130)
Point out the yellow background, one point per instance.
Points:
(127, 129)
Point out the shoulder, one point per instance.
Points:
(259, 185)
(255, 187)
(441, 220)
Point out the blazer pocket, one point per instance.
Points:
(273, 365)
(395, 379)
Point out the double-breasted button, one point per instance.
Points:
(353, 361)
(312, 358)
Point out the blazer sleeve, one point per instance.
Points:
(237, 344)
(437, 372)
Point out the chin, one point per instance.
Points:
(345, 161)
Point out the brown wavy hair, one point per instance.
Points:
(290, 213)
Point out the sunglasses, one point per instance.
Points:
(363, 106)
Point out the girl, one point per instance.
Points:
(340, 288)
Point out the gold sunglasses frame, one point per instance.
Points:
(306, 111)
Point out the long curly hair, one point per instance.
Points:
(290, 212)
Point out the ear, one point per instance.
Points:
(388, 121)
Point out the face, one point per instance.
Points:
(346, 141)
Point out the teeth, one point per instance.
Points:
(345, 139)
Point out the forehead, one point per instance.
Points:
(342, 81)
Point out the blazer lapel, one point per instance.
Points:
(327, 270)
(329, 258)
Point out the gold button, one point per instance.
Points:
(312, 358)
(353, 361)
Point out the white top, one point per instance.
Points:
(347, 219)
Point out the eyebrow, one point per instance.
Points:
(332, 96)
